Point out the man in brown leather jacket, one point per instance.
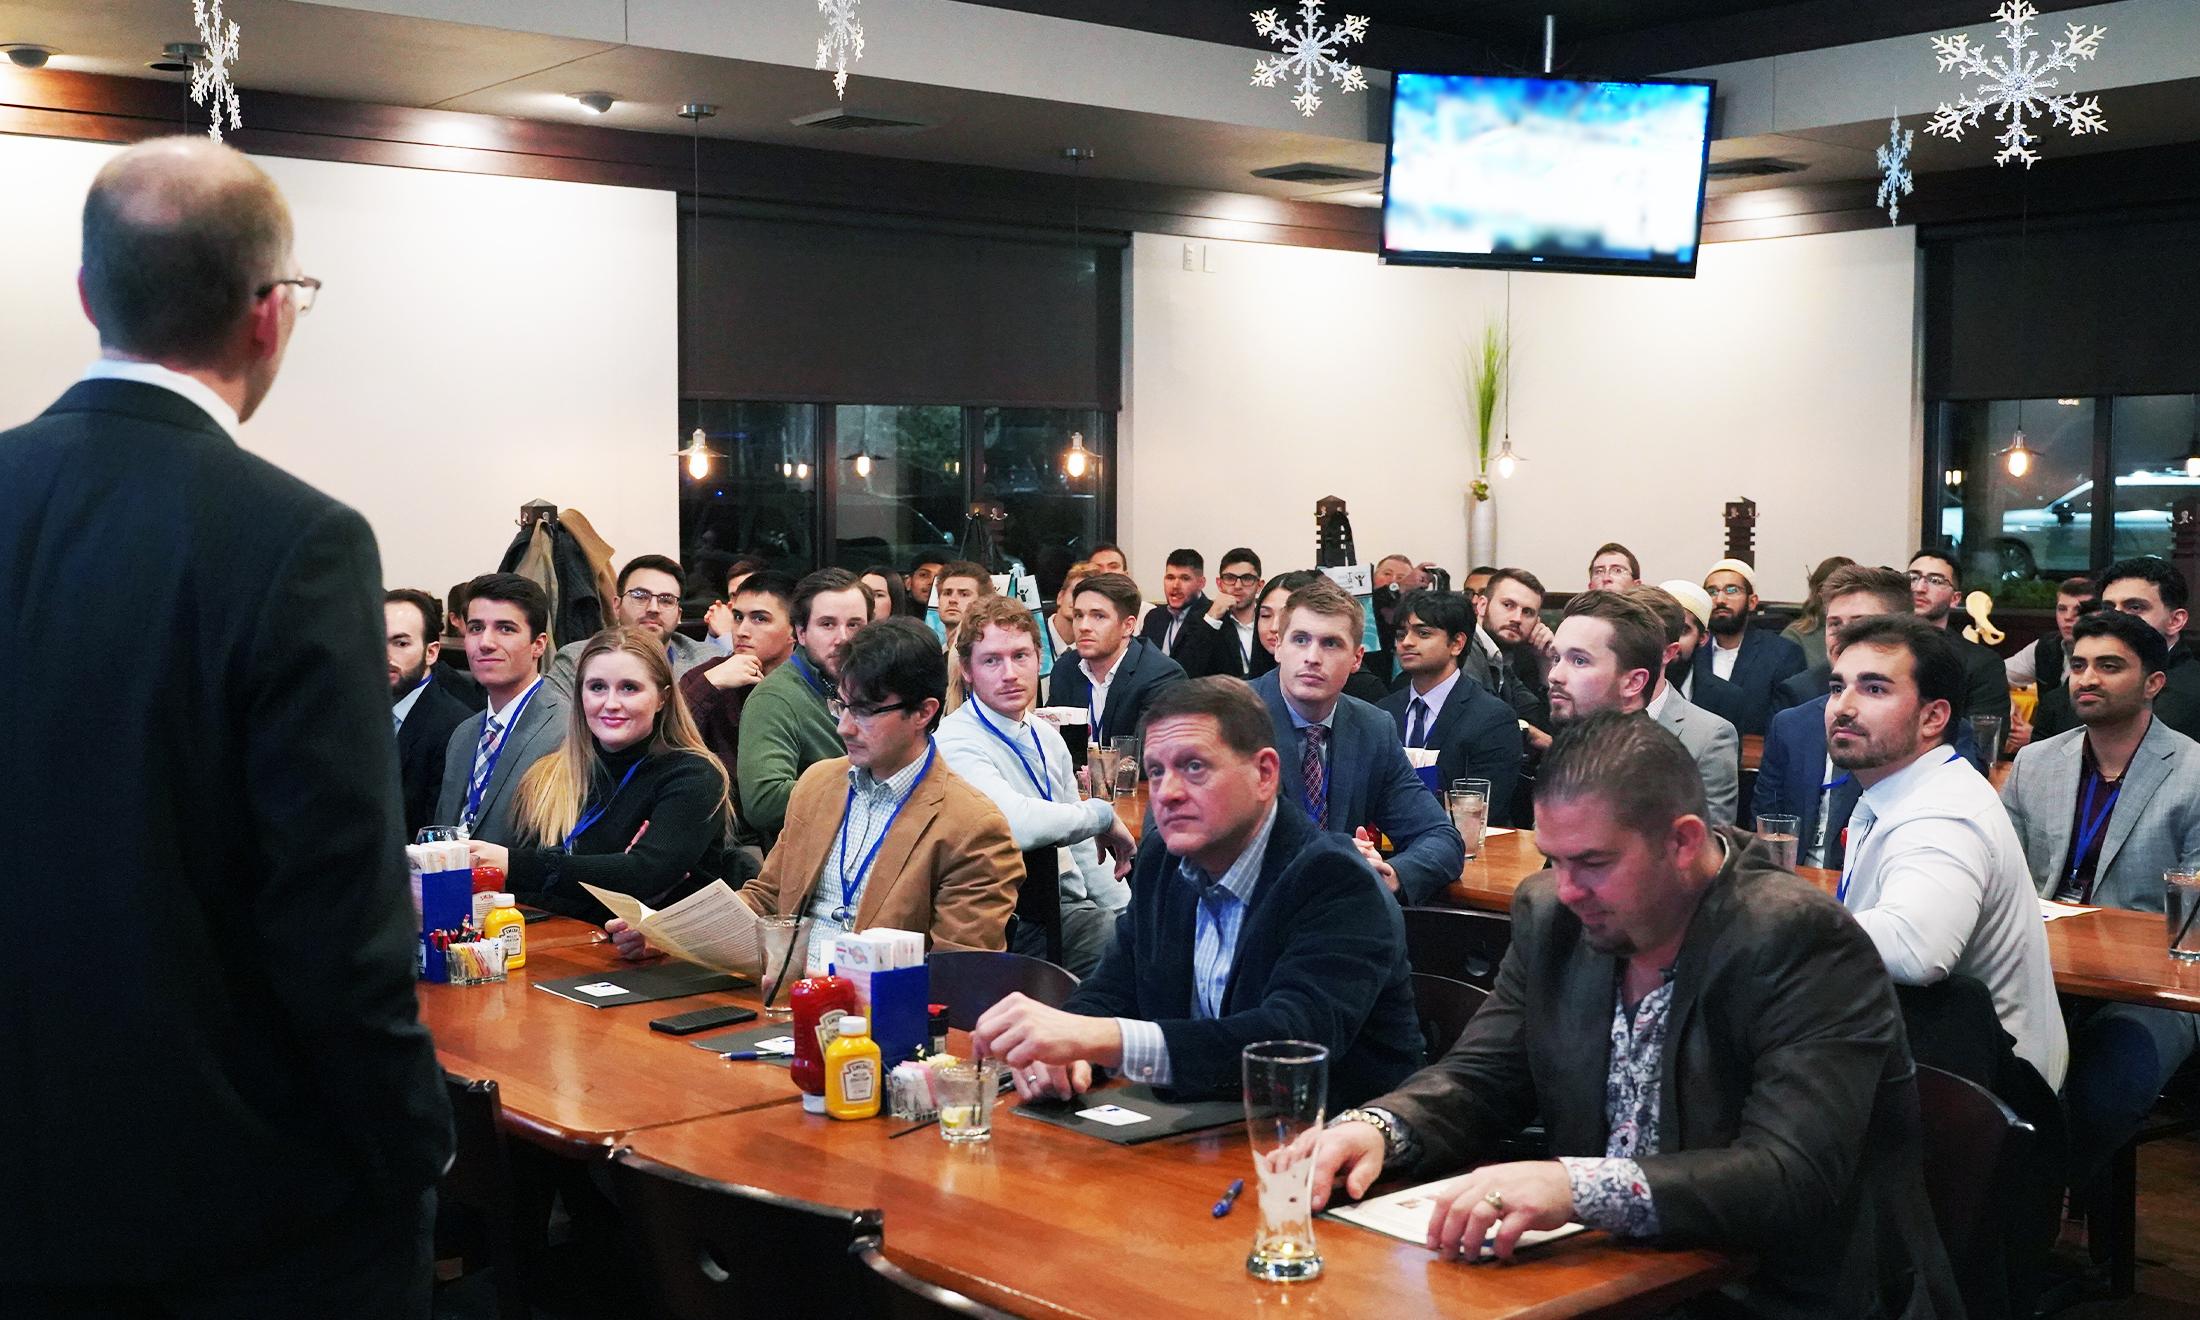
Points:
(1713, 1045)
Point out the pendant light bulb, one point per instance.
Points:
(801, 472)
(697, 454)
(1508, 462)
(1078, 458)
(863, 465)
(2020, 458)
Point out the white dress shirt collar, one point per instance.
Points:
(1435, 697)
(193, 390)
(1657, 703)
(405, 704)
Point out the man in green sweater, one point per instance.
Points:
(784, 728)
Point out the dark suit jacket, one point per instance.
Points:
(421, 742)
(1788, 1110)
(203, 780)
(1529, 700)
(1321, 956)
(1475, 736)
(1199, 649)
(1370, 784)
(1801, 689)
(1141, 672)
(1766, 659)
(1713, 693)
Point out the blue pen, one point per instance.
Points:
(741, 1056)
(1229, 1198)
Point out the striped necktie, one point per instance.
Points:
(1314, 775)
(477, 786)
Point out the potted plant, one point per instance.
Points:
(1486, 376)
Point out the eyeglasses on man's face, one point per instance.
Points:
(1732, 591)
(1939, 580)
(863, 714)
(309, 289)
(1239, 579)
(663, 599)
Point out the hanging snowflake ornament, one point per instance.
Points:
(842, 43)
(1310, 53)
(210, 85)
(2018, 87)
(1894, 169)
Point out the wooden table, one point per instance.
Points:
(1045, 1222)
(1753, 750)
(1488, 879)
(575, 1078)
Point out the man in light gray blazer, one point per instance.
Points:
(1711, 739)
(505, 620)
(2103, 810)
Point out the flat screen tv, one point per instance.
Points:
(1521, 173)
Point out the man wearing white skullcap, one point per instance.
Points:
(1754, 660)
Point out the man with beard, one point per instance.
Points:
(1754, 660)
(1508, 647)
(1180, 630)
(2152, 589)
(424, 712)
(1709, 691)
(649, 599)
(1611, 648)
(785, 725)
(1935, 873)
(1709, 737)
(1935, 587)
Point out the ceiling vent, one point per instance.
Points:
(1308, 172)
(1754, 167)
(840, 119)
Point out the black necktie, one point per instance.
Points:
(1417, 729)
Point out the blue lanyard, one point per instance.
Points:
(2090, 826)
(1043, 782)
(846, 911)
(589, 818)
(802, 666)
(475, 792)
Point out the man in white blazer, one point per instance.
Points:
(506, 619)
(995, 743)
(2103, 810)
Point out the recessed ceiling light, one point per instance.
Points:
(27, 55)
(177, 57)
(596, 102)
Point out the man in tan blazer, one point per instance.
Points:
(887, 835)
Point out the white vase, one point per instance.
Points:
(1481, 531)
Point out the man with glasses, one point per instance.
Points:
(1234, 617)
(785, 726)
(220, 747)
(649, 599)
(1935, 586)
(1613, 568)
(1754, 660)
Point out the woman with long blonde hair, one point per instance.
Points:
(631, 802)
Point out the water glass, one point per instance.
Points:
(1126, 752)
(2181, 904)
(1286, 1091)
(1468, 800)
(1100, 774)
(779, 967)
(1986, 729)
(966, 1100)
(1782, 834)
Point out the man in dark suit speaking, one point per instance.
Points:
(223, 1100)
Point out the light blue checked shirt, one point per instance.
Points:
(867, 816)
(1219, 915)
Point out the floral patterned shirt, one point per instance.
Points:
(1611, 1193)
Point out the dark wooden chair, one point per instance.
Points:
(1975, 1148)
(971, 981)
(715, 1251)
(1454, 942)
(1445, 1007)
(1039, 898)
(896, 1294)
(480, 1205)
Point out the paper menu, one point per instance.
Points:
(1404, 1215)
(710, 927)
(2053, 911)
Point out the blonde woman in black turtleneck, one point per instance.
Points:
(632, 802)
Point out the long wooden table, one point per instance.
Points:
(576, 1078)
(1045, 1222)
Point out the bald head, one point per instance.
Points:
(180, 236)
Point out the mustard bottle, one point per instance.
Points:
(852, 1071)
(505, 924)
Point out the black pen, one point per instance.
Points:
(1229, 1198)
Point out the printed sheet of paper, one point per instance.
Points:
(1404, 1215)
(710, 927)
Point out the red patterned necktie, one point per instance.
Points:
(1314, 774)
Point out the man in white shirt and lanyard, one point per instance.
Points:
(1020, 761)
(506, 618)
(1935, 873)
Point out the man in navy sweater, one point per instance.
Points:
(1246, 924)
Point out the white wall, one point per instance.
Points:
(481, 341)
(1783, 372)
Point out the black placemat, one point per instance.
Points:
(1154, 1117)
(642, 985)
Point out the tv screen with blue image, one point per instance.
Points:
(1546, 173)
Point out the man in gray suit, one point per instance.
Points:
(1611, 657)
(506, 616)
(2103, 811)
(649, 599)
(1711, 739)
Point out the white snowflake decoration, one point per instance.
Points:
(1894, 169)
(842, 43)
(1309, 54)
(2018, 86)
(210, 85)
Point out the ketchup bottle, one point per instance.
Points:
(488, 883)
(819, 1002)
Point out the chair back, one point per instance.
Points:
(1039, 898)
(1454, 942)
(893, 1293)
(1975, 1149)
(970, 981)
(485, 1219)
(716, 1251)
(480, 1175)
(1445, 1007)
